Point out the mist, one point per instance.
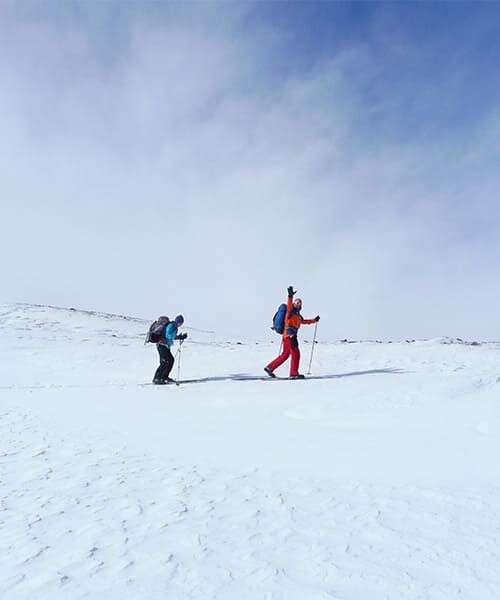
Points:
(165, 161)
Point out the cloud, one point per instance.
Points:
(173, 170)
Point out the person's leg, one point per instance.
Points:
(282, 357)
(157, 375)
(164, 353)
(295, 352)
(169, 363)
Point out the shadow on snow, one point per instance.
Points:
(247, 377)
(232, 377)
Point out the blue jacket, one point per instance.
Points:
(170, 333)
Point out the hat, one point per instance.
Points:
(179, 319)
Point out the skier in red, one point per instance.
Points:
(293, 321)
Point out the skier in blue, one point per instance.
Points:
(170, 333)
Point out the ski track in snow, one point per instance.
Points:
(85, 514)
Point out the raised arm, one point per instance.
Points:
(291, 292)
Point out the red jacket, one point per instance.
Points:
(293, 320)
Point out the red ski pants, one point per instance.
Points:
(290, 347)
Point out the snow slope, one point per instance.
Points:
(378, 478)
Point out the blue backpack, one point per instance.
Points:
(279, 319)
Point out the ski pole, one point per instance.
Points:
(179, 362)
(312, 349)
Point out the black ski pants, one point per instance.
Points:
(166, 362)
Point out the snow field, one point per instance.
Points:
(377, 480)
(86, 520)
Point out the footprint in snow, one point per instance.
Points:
(290, 414)
(486, 428)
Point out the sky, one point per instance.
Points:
(199, 158)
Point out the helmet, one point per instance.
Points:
(179, 319)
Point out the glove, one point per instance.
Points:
(181, 336)
(316, 318)
(291, 291)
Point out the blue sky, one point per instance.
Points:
(349, 148)
(446, 52)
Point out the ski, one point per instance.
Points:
(221, 379)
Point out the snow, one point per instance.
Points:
(378, 478)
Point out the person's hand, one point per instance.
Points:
(316, 318)
(183, 336)
(291, 291)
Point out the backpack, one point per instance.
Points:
(279, 319)
(155, 331)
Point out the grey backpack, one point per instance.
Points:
(155, 332)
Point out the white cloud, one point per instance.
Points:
(175, 175)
